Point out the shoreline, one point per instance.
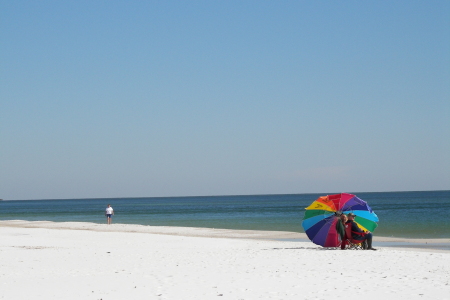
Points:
(390, 242)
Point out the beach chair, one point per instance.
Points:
(351, 243)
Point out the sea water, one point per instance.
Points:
(423, 214)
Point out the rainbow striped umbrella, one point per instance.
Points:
(322, 215)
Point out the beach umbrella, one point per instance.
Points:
(322, 215)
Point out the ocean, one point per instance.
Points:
(420, 214)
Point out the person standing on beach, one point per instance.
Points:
(109, 212)
(358, 234)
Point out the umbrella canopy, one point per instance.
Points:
(322, 215)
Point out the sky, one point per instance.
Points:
(104, 99)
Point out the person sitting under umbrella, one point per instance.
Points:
(358, 234)
(340, 228)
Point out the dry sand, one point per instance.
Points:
(46, 260)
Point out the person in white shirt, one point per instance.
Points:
(109, 212)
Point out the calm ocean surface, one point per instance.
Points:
(402, 214)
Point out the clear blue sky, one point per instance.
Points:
(184, 98)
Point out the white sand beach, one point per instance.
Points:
(46, 260)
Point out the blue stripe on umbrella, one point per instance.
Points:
(364, 214)
(312, 221)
